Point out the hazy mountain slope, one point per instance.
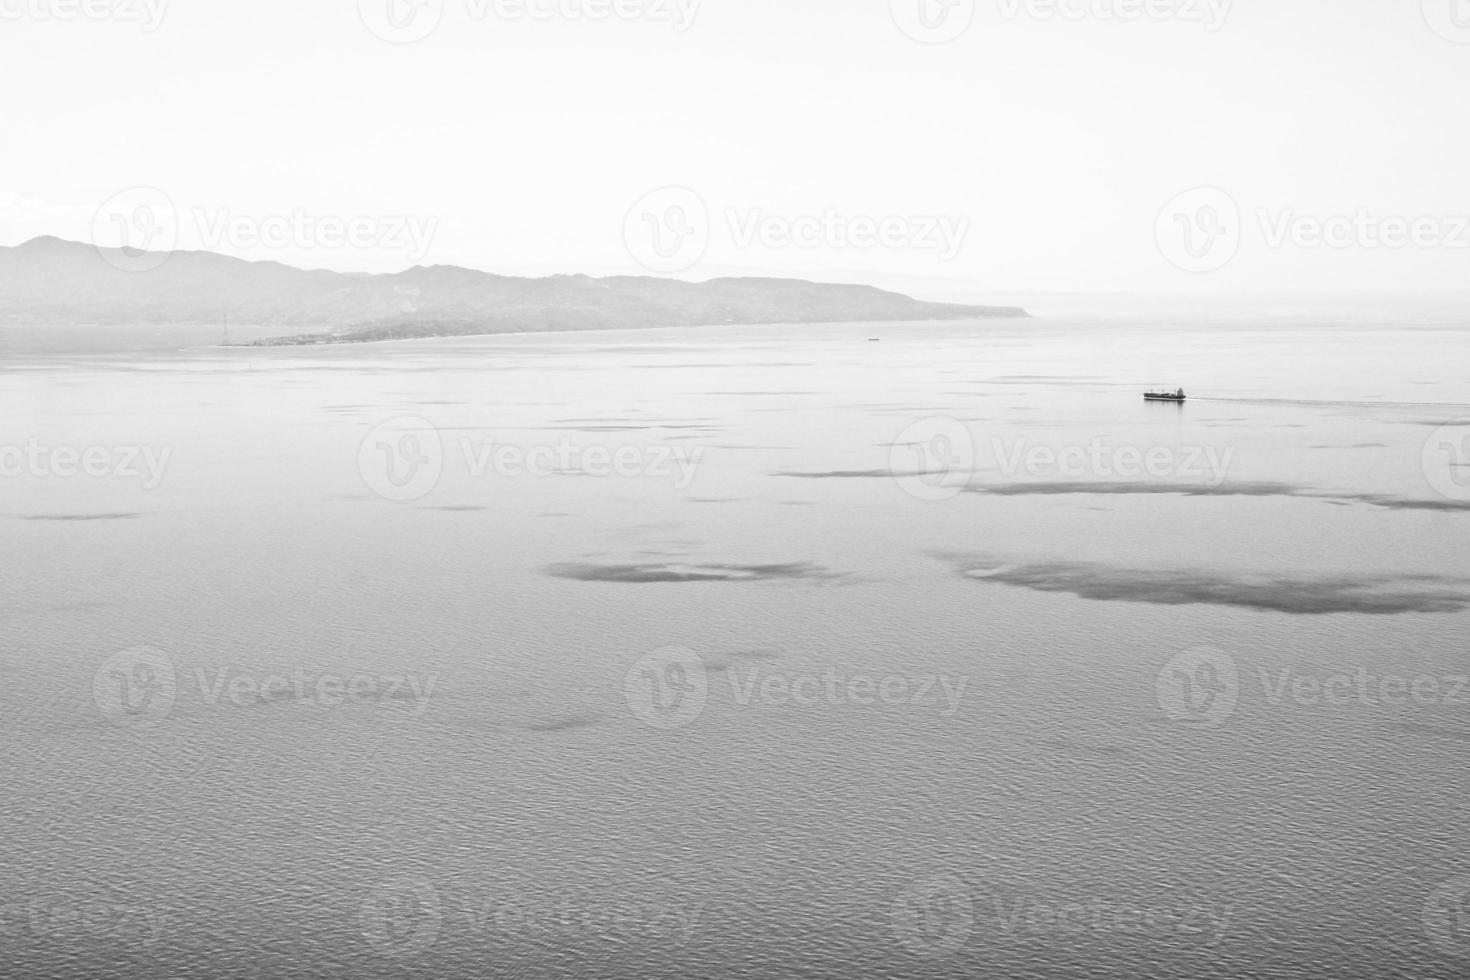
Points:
(48, 280)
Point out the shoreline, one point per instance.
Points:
(305, 340)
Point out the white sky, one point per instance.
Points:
(525, 142)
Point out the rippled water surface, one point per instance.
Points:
(916, 650)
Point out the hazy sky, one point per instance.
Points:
(1039, 148)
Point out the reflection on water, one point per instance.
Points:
(1377, 595)
(981, 665)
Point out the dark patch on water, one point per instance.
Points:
(1026, 379)
(1411, 728)
(718, 365)
(564, 724)
(593, 429)
(81, 517)
(72, 607)
(761, 654)
(1249, 489)
(837, 475)
(1380, 595)
(1075, 746)
(606, 421)
(1258, 489)
(851, 475)
(649, 574)
(727, 663)
(771, 449)
(1427, 423)
(1406, 503)
(883, 408)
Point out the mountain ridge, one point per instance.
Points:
(49, 280)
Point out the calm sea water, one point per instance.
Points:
(917, 650)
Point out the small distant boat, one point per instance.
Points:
(1165, 396)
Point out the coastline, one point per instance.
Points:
(342, 340)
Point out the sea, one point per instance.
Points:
(830, 651)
